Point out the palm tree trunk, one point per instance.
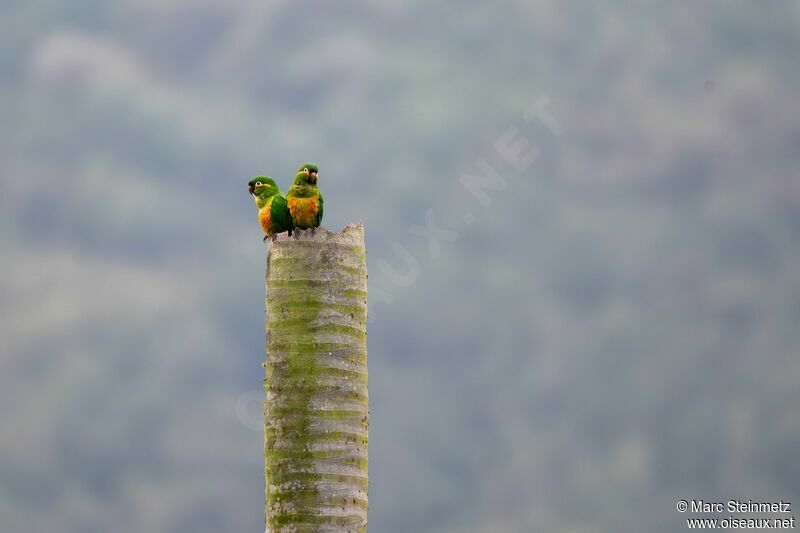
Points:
(317, 408)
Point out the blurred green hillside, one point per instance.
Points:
(618, 330)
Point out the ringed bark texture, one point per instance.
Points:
(317, 407)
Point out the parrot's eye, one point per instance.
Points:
(305, 170)
(259, 184)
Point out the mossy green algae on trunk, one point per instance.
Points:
(317, 409)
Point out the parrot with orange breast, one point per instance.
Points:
(273, 212)
(304, 200)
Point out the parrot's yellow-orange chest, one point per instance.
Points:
(265, 217)
(304, 211)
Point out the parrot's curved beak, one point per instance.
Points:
(312, 178)
(252, 189)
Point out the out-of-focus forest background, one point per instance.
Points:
(618, 329)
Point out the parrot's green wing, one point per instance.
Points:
(279, 212)
(319, 211)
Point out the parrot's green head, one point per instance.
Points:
(262, 188)
(306, 175)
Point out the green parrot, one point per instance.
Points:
(304, 199)
(273, 213)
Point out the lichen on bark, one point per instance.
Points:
(317, 408)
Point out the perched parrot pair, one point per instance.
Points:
(301, 208)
